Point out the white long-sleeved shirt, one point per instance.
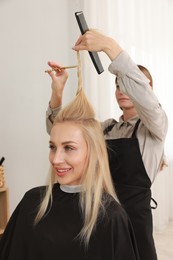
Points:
(153, 127)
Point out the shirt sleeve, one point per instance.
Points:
(133, 83)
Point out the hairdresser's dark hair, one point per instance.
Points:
(146, 73)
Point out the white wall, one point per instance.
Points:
(31, 32)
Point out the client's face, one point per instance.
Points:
(68, 153)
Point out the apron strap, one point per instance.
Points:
(135, 129)
(108, 128)
(155, 202)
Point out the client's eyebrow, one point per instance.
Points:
(64, 143)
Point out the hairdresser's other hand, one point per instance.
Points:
(95, 41)
(59, 79)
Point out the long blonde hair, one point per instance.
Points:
(97, 180)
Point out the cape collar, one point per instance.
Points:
(71, 189)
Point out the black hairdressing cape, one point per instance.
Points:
(55, 237)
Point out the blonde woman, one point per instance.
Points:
(76, 216)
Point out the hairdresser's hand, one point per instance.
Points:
(59, 79)
(95, 41)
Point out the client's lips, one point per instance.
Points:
(62, 172)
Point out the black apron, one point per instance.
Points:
(132, 185)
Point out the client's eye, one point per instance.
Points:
(52, 147)
(68, 148)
